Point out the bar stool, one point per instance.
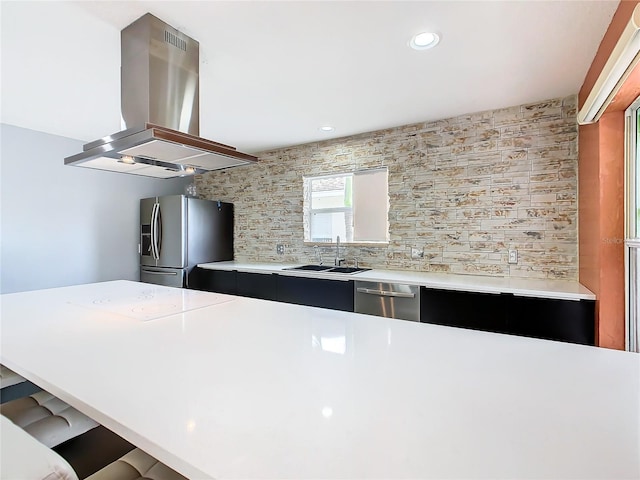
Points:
(9, 378)
(47, 418)
(24, 457)
(13, 386)
(136, 465)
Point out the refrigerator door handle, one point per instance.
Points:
(158, 232)
(153, 227)
(154, 231)
(153, 272)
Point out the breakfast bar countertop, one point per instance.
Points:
(218, 386)
(560, 289)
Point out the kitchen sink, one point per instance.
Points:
(329, 269)
(314, 268)
(348, 269)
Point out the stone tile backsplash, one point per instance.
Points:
(465, 190)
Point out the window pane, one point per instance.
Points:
(633, 241)
(634, 300)
(325, 226)
(371, 206)
(332, 192)
(636, 234)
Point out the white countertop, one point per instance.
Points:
(243, 388)
(561, 289)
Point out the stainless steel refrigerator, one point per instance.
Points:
(178, 232)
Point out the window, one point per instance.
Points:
(353, 206)
(632, 228)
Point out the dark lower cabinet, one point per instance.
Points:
(257, 285)
(219, 281)
(566, 320)
(478, 311)
(552, 319)
(316, 292)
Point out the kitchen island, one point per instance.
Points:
(218, 386)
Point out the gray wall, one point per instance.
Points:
(66, 225)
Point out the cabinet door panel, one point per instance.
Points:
(553, 319)
(316, 292)
(478, 311)
(219, 281)
(257, 285)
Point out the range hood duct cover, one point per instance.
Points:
(160, 91)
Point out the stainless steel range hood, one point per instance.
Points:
(160, 110)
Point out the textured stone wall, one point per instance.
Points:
(464, 189)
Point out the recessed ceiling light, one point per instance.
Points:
(424, 40)
(327, 128)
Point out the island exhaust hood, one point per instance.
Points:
(160, 110)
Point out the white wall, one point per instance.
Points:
(62, 225)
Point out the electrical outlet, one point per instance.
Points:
(513, 256)
(417, 253)
(280, 249)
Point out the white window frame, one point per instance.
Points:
(309, 212)
(632, 230)
(313, 211)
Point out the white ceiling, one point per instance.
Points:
(273, 72)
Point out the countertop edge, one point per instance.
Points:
(554, 289)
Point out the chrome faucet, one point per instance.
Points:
(316, 250)
(338, 261)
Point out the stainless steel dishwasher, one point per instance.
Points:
(391, 300)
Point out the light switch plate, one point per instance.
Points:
(417, 253)
(513, 256)
(280, 249)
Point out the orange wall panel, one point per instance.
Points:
(601, 193)
(589, 207)
(611, 331)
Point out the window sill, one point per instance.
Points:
(346, 244)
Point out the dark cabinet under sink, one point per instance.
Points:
(316, 292)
